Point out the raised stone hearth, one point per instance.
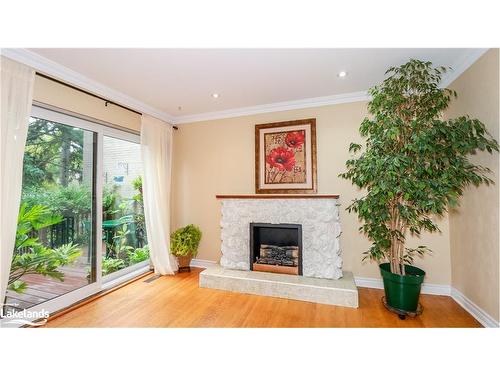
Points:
(291, 242)
(340, 292)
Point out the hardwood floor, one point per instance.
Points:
(177, 301)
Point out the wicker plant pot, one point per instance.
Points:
(184, 262)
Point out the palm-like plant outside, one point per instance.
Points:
(31, 256)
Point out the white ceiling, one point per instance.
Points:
(167, 79)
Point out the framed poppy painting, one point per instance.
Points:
(285, 157)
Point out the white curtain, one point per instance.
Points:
(16, 96)
(156, 149)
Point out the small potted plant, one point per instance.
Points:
(413, 167)
(184, 245)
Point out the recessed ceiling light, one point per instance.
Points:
(342, 74)
(215, 95)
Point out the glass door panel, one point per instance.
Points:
(125, 246)
(55, 241)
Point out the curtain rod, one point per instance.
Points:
(106, 101)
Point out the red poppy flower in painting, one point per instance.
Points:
(281, 158)
(295, 139)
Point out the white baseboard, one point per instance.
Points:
(364, 282)
(368, 282)
(441, 290)
(435, 289)
(478, 313)
(202, 263)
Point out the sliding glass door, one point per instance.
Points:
(81, 219)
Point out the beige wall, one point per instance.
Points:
(50, 92)
(474, 226)
(217, 157)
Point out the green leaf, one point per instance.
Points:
(185, 241)
(18, 286)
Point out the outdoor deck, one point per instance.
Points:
(41, 289)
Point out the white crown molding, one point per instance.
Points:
(58, 71)
(65, 74)
(53, 69)
(434, 289)
(462, 65)
(478, 313)
(359, 96)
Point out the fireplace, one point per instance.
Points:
(318, 216)
(276, 248)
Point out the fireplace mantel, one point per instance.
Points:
(279, 196)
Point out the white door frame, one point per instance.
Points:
(67, 299)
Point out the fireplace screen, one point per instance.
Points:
(276, 248)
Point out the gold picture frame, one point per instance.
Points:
(285, 157)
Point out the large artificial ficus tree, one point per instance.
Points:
(414, 164)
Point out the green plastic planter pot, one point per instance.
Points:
(402, 292)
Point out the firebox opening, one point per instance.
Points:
(276, 248)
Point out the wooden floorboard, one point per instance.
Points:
(177, 301)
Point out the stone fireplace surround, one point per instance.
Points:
(323, 280)
(318, 215)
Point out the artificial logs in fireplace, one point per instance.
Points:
(276, 248)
